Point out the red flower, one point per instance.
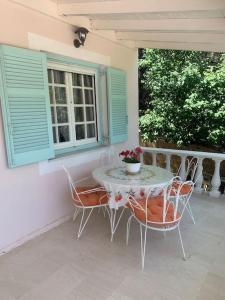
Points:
(126, 153)
(138, 150)
(133, 154)
(122, 153)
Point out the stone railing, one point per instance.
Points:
(200, 156)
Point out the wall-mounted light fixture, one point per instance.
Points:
(81, 37)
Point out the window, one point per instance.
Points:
(73, 107)
(72, 116)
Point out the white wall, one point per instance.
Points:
(34, 196)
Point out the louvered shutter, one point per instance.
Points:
(117, 105)
(25, 105)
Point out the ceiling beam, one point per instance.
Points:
(172, 37)
(212, 24)
(140, 6)
(182, 46)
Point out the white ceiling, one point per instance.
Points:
(178, 24)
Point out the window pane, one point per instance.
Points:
(64, 135)
(50, 76)
(53, 114)
(90, 115)
(60, 95)
(79, 114)
(50, 94)
(89, 97)
(54, 134)
(77, 79)
(88, 80)
(90, 130)
(77, 96)
(62, 114)
(59, 77)
(80, 132)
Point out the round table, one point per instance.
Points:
(119, 184)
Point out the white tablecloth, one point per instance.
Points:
(120, 185)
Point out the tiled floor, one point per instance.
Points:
(56, 266)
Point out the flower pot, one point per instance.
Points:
(133, 168)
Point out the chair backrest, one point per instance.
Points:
(73, 190)
(190, 169)
(165, 210)
(192, 166)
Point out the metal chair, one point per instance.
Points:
(158, 213)
(86, 198)
(190, 174)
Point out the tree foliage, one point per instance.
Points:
(182, 97)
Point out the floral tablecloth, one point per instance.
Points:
(120, 185)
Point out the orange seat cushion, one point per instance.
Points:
(154, 211)
(90, 198)
(186, 188)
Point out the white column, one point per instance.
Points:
(168, 162)
(182, 172)
(216, 180)
(154, 159)
(199, 176)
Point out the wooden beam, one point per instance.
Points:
(211, 24)
(220, 47)
(140, 6)
(172, 37)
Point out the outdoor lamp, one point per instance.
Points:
(81, 34)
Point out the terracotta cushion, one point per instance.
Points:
(186, 188)
(154, 212)
(90, 199)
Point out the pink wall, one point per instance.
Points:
(31, 199)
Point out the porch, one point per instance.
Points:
(35, 204)
(57, 266)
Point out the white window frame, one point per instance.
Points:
(83, 71)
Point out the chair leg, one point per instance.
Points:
(128, 229)
(84, 221)
(190, 212)
(143, 245)
(181, 241)
(76, 213)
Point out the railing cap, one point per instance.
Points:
(198, 154)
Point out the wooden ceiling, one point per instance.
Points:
(176, 24)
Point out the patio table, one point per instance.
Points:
(120, 185)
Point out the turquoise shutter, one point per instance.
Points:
(25, 105)
(117, 105)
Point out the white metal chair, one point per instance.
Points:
(190, 169)
(158, 213)
(86, 198)
(190, 174)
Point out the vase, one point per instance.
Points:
(133, 168)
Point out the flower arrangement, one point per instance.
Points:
(131, 156)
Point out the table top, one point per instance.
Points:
(148, 176)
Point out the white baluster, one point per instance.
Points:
(198, 176)
(154, 159)
(168, 162)
(182, 172)
(216, 180)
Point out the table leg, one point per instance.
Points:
(114, 221)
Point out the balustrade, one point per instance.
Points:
(200, 156)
